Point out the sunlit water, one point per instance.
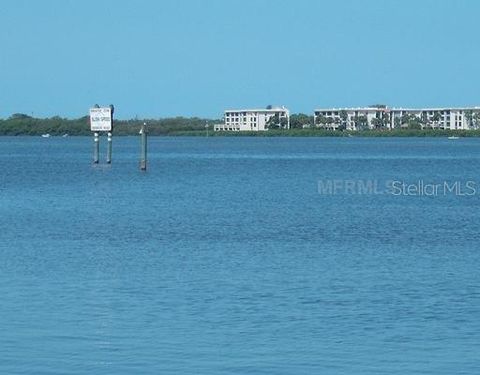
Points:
(225, 258)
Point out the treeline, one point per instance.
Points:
(319, 132)
(403, 132)
(21, 124)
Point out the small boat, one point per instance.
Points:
(65, 135)
(453, 137)
(46, 135)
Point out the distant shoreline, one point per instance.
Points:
(23, 125)
(340, 134)
(284, 133)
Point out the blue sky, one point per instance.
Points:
(194, 57)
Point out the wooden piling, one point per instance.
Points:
(143, 147)
(109, 148)
(96, 148)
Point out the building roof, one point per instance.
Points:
(396, 109)
(274, 109)
(349, 109)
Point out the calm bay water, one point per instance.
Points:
(224, 258)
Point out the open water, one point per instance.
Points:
(240, 256)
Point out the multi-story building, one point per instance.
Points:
(437, 118)
(254, 119)
(347, 118)
(390, 118)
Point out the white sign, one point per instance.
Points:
(101, 119)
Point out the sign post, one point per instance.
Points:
(143, 147)
(109, 148)
(96, 148)
(109, 136)
(101, 120)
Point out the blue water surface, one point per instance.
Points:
(225, 258)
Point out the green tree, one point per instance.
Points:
(300, 120)
(397, 122)
(277, 122)
(424, 121)
(469, 117)
(329, 123)
(377, 123)
(321, 121)
(436, 118)
(273, 122)
(414, 122)
(385, 119)
(344, 119)
(361, 122)
(338, 123)
(415, 125)
(411, 121)
(404, 120)
(476, 119)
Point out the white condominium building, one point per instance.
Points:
(390, 118)
(254, 119)
(438, 118)
(347, 118)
